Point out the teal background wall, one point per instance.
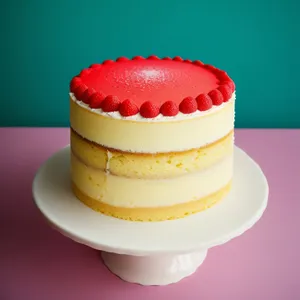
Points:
(45, 43)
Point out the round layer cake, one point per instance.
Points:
(151, 139)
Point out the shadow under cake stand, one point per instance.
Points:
(151, 253)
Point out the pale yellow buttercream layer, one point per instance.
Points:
(153, 214)
(152, 136)
(134, 192)
(161, 165)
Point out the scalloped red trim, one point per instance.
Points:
(110, 103)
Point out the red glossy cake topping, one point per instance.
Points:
(152, 86)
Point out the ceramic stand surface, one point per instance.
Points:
(151, 253)
(155, 269)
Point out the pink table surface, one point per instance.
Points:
(36, 262)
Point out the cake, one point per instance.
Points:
(151, 139)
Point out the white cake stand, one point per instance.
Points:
(156, 253)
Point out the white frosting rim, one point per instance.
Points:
(160, 118)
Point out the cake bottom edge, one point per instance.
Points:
(153, 214)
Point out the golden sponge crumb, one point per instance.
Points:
(160, 165)
(153, 214)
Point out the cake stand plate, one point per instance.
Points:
(151, 253)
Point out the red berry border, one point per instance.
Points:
(110, 103)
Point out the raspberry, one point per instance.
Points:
(79, 91)
(95, 66)
(138, 57)
(128, 108)
(153, 57)
(87, 94)
(96, 100)
(149, 110)
(108, 61)
(216, 97)
(198, 63)
(204, 102)
(222, 75)
(231, 85)
(169, 109)
(122, 59)
(211, 68)
(75, 82)
(226, 91)
(85, 72)
(177, 58)
(188, 105)
(110, 103)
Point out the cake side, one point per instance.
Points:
(153, 136)
(148, 158)
(153, 214)
(149, 165)
(137, 192)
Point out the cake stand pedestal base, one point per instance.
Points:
(151, 253)
(153, 270)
